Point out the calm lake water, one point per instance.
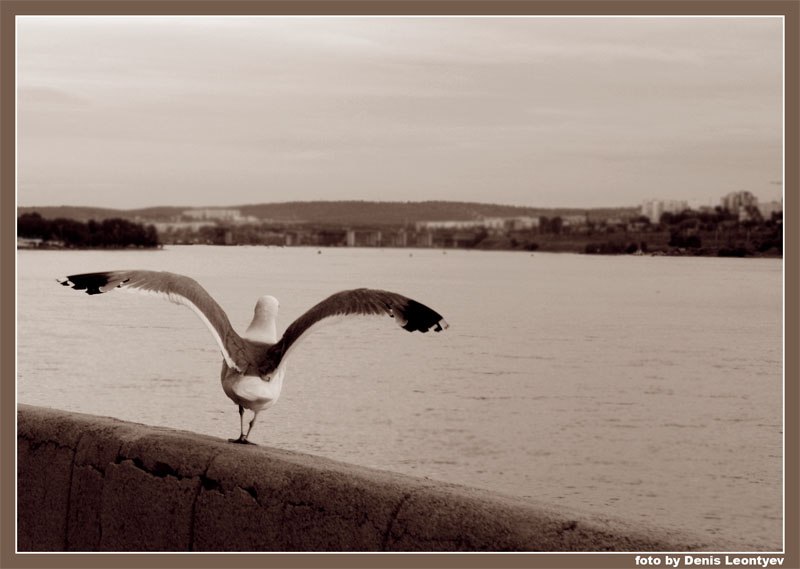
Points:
(648, 388)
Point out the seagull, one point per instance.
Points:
(254, 364)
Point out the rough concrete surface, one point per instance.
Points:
(88, 483)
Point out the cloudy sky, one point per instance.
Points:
(133, 112)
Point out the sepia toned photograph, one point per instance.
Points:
(366, 283)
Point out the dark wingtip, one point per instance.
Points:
(420, 318)
(89, 282)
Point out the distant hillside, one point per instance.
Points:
(84, 214)
(338, 212)
(397, 213)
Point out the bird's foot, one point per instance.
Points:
(241, 440)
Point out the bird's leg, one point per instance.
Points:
(242, 438)
(250, 428)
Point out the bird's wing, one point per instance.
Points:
(407, 313)
(175, 288)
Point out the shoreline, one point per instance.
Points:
(672, 252)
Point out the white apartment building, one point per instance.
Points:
(521, 223)
(213, 213)
(653, 209)
(486, 222)
(736, 201)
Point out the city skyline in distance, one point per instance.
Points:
(125, 112)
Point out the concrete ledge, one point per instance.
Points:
(88, 483)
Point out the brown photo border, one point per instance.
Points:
(790, 9)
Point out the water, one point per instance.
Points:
(648, 388)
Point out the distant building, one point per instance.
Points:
(654, 209)
(364, 238)
(423, 225)
(735, 201)
(521, 223)
(164, 227)
(424, 239)
(576, 220)
(490, 223)
(213, 213)
(29, 242)
(399, 239)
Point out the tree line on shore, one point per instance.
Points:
(717, 232)
(114, 233)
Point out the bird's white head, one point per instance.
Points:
(267, 305)
(262, 328)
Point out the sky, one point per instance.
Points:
(129, 112)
